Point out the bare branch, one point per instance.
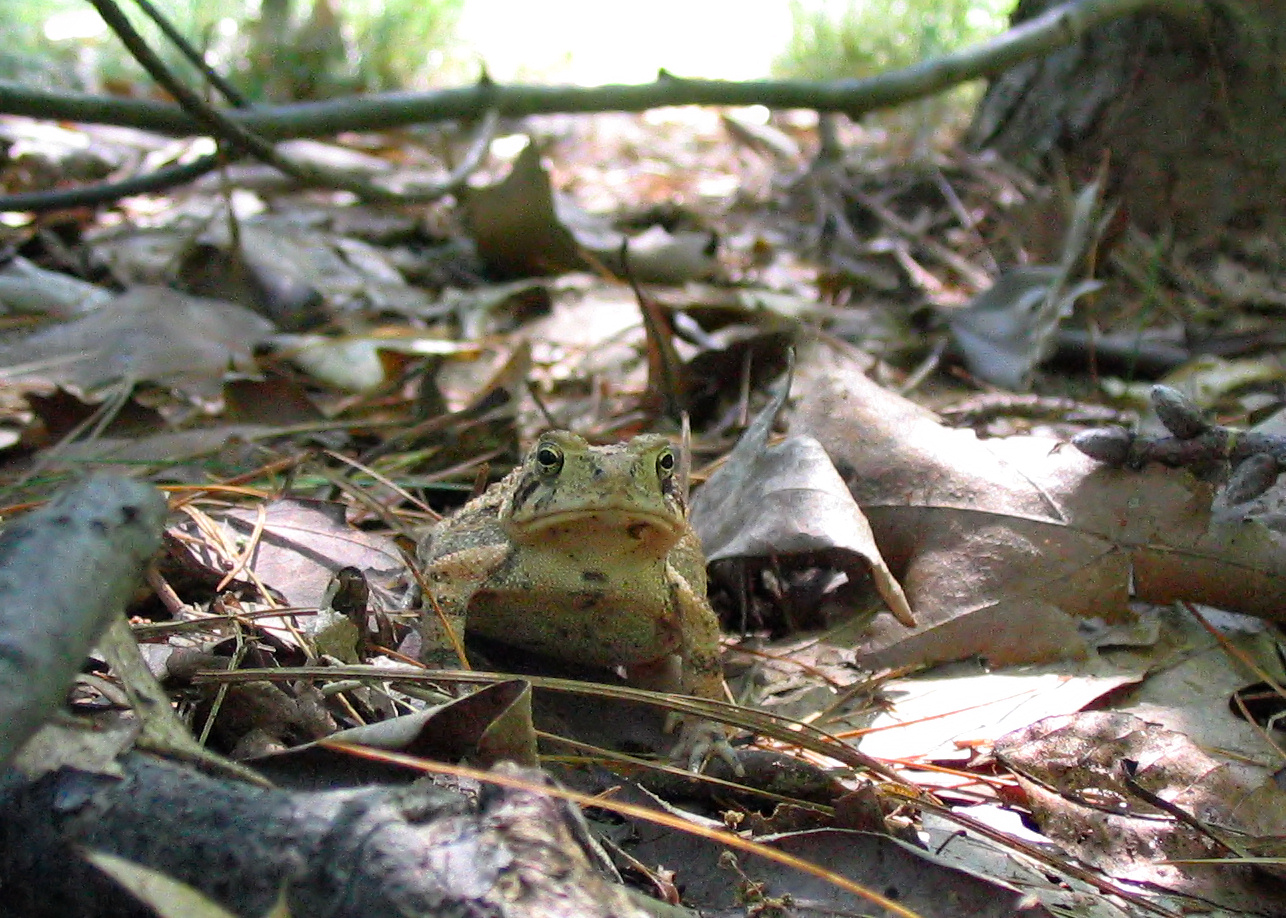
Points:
(1053, 29)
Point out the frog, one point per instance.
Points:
(583, 553)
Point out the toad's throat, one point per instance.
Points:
(586, 522)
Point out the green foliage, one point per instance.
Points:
(26, 54)
(852, 39)
(403, 42)
(835, 39)
(270, 49)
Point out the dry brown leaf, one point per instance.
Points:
(787, 499)
(1077, 772)
(522, 228)
(514, 225)
(1005, 545)
(302, 544)
(922, 882)
(490, 725)
(149, 334)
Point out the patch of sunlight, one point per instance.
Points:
(588, 42)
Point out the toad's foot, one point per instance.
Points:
(700, 739)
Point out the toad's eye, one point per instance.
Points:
(549, 459)
(665, 463)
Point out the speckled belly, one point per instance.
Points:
(621, 620)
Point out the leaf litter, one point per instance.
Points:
(1019, 571)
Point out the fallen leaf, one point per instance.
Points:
(1008, 329)
(514, 225)
(952, 709)
(170, 898)
(298, 275)
(1006, 546)
(148, 334)
(787, 499)
(357, 363)
(920, 881)
(303, 543)
(490, 725)
(522, 228)
(1081, 786)
(26, 287)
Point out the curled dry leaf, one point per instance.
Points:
(514, 225)
(522, 228)
(788, 499)
(925, 883)
(299, 276)
(1007, 330)
(1005, 545)
(25, 287)
(1010, 328)
(491, 725)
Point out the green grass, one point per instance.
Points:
(833, 39)
(840, 39)
(367, 45)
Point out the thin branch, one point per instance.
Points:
(211, 120)
(221, 125)
(252, 129)
(173, 176)
(1057, 27)
(105, 193)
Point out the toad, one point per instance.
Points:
(583, 553)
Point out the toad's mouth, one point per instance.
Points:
(638, 524)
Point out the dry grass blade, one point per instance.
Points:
(723, 837)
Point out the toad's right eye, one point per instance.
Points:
(549, 459)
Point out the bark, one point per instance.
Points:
(1184, 110)
(362, 853)
(65, 571)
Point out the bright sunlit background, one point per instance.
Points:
(591, 41)
(279, 50)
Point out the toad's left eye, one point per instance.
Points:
(665, 464)
(549, 459)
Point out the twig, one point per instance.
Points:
(977, 277)
(173, 176)
(1055, 28)
(219, 124)
(93, 195)
(1257, 458)
(210, 119)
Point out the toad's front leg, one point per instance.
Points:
(450, 582)
(702, 677)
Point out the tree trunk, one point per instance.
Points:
(1186, 115)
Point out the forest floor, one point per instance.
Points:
(1031, 680)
